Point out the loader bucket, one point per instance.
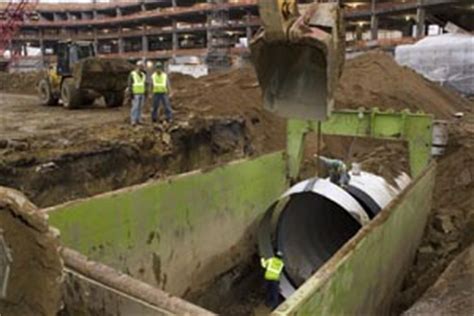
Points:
(102, 74)
(298, 74)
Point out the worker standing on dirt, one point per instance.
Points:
(273, 269)
(161, 92)
(137, 88)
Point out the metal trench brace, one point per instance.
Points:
(345, 210)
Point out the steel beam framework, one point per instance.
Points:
(414, 128)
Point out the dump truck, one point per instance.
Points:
(79, 77)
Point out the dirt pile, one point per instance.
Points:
(115, 156)
(453, 292)
(24, 82)
(370, 80)
(237, 292)
(220, 118)
(73, 143)
(36, 268)
(385, 158)
(234, 93)
(450, 227)
(376, 80)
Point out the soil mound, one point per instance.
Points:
(452, 293)
(36, 268)
(376, 80)
(24, 82)
(450, 228)
(234, 93)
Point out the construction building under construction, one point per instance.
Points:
(243, 158)
(165, 29)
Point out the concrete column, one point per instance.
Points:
(143, 6)
(118, 11)
(144, 43)
(174, 36)
(374, 23)
(174, 3)
(68, 15)
(407, 29)
(10, 46)
(144, 40)
(248, 29)
(95, 39)
(209, 32)
(94, 14)
(120, 41)
(374, 27)
(55, 16)
(41, 40)
(358, 32)
(420, 20)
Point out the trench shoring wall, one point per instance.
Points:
(178, 233)
(362, 277)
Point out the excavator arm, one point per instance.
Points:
(298, 57)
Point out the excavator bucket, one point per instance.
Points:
(299, 57)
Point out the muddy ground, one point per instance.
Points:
(452, 292)
(450, 228)
(54, 155)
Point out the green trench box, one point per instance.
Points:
(178, 234)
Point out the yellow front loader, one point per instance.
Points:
(79, 77)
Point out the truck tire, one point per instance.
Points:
(114, 99)
(88, 101)
(70, 95)
(46, 94)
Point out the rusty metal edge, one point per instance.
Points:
(128, 285)
(325, 273)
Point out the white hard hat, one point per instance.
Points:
(140, 63)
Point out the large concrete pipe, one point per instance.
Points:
(315, 218)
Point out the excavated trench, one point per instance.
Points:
(237, 292)
(119, 164)
(116, 164)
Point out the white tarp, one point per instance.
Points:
(447, 59)
(192, 70)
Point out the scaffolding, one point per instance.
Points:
(11, 18)
(219, 43)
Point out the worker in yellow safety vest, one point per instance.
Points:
(161, 92)
(137, 89)
(273, 270)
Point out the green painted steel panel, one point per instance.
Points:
(362, 277)
(203, 218)
(415, 128)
